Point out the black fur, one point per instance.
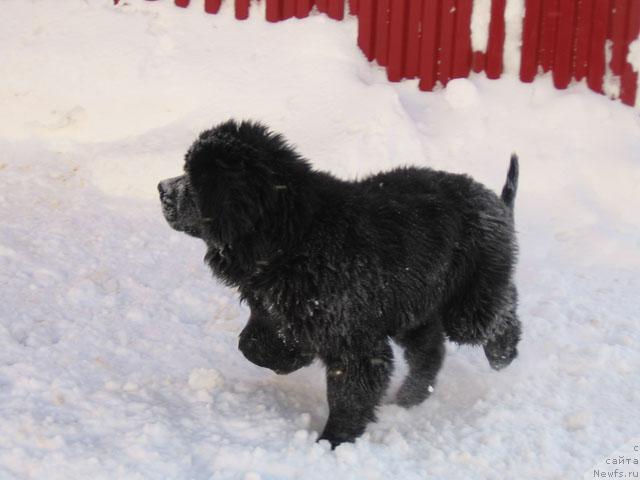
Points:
(333, 269)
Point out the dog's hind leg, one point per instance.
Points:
(502, 346)
(424, 351)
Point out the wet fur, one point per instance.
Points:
(333, 269)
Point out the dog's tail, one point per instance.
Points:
(511, 186)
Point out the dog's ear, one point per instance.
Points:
(226, 214)
(233, 189)
(249, 181)
(240, 206)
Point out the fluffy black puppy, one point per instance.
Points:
(333, 269)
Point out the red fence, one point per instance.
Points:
(432, 39)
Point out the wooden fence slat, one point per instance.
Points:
(445, 47)
(618, 36)
(242, 9)
(412, 54)
(335, 9)
(395, 69)
(629, 78)
(562, 62)
(547, 43)
(530, 39)
(495, 44)
(581, 42)
(353, 7)
(382, 32)
(477, 61)
(322, 5)
(288, 9)
(599, 27)
(462, 40)
(274, 10)
(303, 8)
(182, 3)
(366, 27)
(212, 6)
(428, 46)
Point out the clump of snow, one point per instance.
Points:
(579, 420)
(346, 453)
(461, 93)
(633, 55)
(205, 379)
(611, 82)
(111, 326)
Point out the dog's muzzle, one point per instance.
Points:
(167, 191)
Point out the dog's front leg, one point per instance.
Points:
(355, 385)
(262, 345)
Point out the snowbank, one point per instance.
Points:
(118, 350)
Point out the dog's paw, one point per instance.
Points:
(411, 395)
(336, 438)
(500, 355)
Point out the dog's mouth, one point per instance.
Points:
(171, 216)
(168, 210)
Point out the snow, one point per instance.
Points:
(513, 19)
(118, 351)
(633, 56)
(611, 82)
(461, 93)
(480, 18)
(513, 14)
(204, 379)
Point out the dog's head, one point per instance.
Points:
(240, 181)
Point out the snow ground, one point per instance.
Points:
(118, 353)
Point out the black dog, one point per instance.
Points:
(333, 269)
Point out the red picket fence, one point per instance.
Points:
(431, 39)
